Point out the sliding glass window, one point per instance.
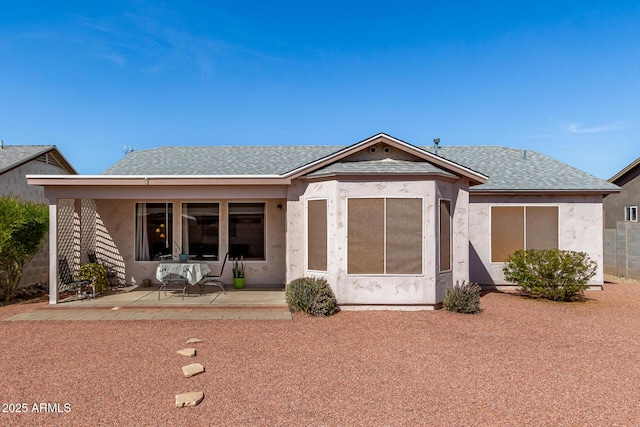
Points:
(247, 231)
(154, 232)
(201, 230)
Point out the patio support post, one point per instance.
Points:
(53, 251)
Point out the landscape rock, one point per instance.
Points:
(194, 340)
(188, 352)
(189, 399)
(192, 370)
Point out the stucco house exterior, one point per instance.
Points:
(621, 227)
(387, 223)
(16, 162)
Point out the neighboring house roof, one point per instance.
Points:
(618, 177)
(511, 169)
(12, 156)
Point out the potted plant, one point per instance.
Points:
(238, 273)
(182, 256)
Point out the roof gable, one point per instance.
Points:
(12, 156)
(621, 177)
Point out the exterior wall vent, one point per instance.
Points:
(372, 149)
(386, 150)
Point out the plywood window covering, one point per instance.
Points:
(385, 236)
(445, 235)
(317, 235)
(522, 227)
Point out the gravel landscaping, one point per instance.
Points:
(520, 362)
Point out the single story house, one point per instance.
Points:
(16, 162)
(621, 227)
(387, 223)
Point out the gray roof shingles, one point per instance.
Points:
(14, 155)
(506, 168)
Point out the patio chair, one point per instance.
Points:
(68, 283)
(214, 280)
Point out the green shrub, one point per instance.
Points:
(312, 296)
(550, 273)
(463, 298)
(97, 273)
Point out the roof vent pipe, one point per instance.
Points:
(525, 155)
(1, 144)
(436, 142)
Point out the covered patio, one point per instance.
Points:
(135, 296)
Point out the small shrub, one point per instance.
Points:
(312, 296)
(550, 273)
(463, 298)
(97, 273)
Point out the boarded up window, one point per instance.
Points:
(520, 227)
(507, 231)
(542, 227)
(385, 236)
(317, 239)
(445, 235)
(404, 236)
(366, 236)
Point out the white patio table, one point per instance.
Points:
(181, 274)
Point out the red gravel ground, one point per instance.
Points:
(520, 362)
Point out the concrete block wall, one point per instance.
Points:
(622, 250)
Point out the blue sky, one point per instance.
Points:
(561, 78)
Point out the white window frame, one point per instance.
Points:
(491, 261)
(385, 274)
(450, 236)
(631, 213)
(307, 235)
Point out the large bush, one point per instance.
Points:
(550, 273)
(23, 227)
(312, 296)
(463, 298)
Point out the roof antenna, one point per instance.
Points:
(436, 142)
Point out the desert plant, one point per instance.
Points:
(463, 298)
(238, 268)
(312, 296)
(96, 273)
(550, 273)
(23, 227)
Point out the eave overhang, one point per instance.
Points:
(154, 180)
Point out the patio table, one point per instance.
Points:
(188, 273)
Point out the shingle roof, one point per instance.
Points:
(507, 168)
(510, 169)
(227, 160)
(12, 156)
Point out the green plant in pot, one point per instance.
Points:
(238, 273)
(95, 273)
(182, 256)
